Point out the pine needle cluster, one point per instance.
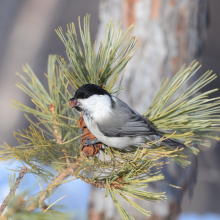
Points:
(50, 148)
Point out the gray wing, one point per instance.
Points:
(124, 121)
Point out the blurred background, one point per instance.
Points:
(171, 33)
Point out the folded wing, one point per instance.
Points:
(124, 121)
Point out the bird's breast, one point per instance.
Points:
(90, 123)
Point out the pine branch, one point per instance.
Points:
(53, 140)
(13, 189)
(71, 168)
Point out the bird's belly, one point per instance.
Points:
(121, 142)
(117, 142)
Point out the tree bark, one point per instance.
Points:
(171, 33)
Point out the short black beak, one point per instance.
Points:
(72, 102)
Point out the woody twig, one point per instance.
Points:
(12, 191)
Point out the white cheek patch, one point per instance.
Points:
(99, 106)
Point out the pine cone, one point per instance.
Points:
(90, 150)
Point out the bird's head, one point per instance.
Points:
(90, 97)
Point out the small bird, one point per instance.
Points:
(113, 122)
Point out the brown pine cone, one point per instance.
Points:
(90, 150)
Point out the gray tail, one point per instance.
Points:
(167, 142)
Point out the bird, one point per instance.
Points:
(113, 122)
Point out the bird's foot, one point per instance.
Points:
(91, 142)
(91, 147)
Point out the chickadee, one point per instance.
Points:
(112, 121)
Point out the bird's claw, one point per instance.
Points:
(90, 142)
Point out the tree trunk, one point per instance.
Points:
(171, 33)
